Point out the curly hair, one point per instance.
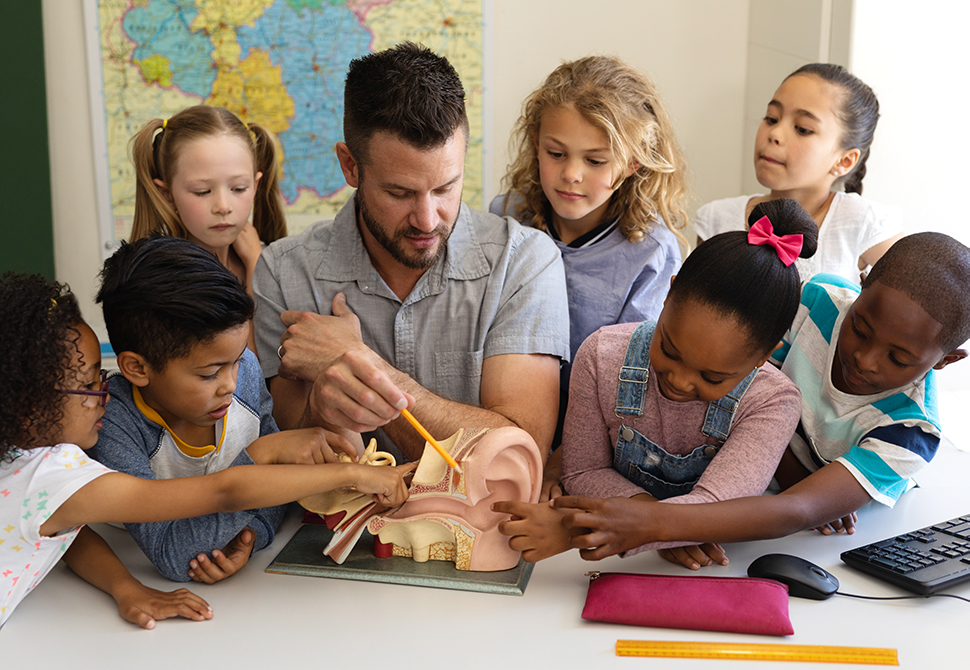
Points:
(626, 106)
(38, 320)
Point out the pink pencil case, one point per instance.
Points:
(729, 604)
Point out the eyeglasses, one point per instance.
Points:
(102, 394)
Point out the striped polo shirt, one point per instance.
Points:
(883, 439)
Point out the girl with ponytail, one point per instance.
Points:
(812, 146)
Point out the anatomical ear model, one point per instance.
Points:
(448, 515)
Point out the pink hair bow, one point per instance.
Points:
(787, 246)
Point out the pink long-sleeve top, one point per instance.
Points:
(763, 424)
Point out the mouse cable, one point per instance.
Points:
(928, 595)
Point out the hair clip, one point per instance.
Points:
(787, 246)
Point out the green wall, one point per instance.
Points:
(26, 221)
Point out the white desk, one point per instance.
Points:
(270, 621)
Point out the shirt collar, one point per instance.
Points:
(346, 259)
(184, 447)
(587, 240)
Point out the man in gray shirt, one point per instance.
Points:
(462, 314)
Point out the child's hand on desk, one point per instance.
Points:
(846, 524)
(604, 526)
(695, 555)
(225, 563)
(304, 446)
(385, 484)
(144, 606)
(534, 529)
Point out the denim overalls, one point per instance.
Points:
(645, 463)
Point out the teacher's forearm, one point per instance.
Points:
(440, 416)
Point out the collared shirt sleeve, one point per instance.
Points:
(661, 261)
(270, 303)
(533, 314)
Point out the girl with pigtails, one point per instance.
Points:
(200, 175)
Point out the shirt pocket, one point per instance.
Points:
(458, 375)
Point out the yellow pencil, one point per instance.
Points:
(430, 440)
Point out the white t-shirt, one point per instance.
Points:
(32, 487)
(852, 226)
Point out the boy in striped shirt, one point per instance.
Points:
(864, 364)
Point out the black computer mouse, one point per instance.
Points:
(803, 579)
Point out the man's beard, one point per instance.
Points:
(395, 245)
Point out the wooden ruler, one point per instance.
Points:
(757, 652)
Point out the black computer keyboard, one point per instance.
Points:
(922, 561)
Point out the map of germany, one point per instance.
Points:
(280, 63)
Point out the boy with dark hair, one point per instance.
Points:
(190, 399)
(407, 91)
(864, 363)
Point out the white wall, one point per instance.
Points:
(694, 49)
(783, 36)
(77, 256)
(918, 63)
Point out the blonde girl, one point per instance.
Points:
(812, 146)
(199, 175)
(596, 165)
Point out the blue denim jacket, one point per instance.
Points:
(129, 440)
(647, 464)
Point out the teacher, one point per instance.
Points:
(462, 314)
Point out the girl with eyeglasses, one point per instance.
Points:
(54, 392)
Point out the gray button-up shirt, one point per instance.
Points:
(498, 289)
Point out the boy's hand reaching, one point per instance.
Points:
(304, 446)
(844, 525)
(225, 563)
(534, 529)
(386, 485)
(604, 526)
(695, 555)
(144, 606)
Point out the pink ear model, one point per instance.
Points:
(449, 516)
(347, 511)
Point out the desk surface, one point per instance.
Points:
(268, 620)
